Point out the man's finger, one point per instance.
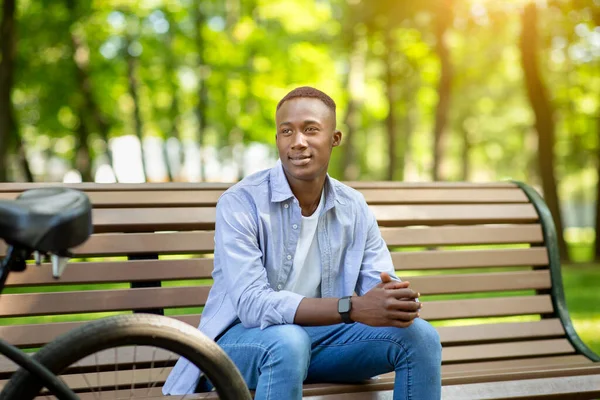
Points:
(403, 293)
(396, 285)
(385, 277)
(401, 324)
(403, 305)
(404, 316)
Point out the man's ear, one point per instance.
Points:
(337, 138)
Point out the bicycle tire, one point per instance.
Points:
(128, 330)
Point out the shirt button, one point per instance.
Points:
(295, 226)
(279, 287)
(286, 205)
(289, 257)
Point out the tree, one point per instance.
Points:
(89, 108)
(202, 72)
(131, 58)
(7, 47)
(544, 116)
(390, 92)
(443, 20)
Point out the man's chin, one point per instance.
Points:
(301, 173)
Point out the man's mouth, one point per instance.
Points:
(300, 159)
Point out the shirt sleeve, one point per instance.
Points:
(376, 257)
(244, 275)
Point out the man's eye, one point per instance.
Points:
(286, 131)
(311, 129)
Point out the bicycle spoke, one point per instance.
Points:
(155, 381)
(150, 372)
(98, 375)
(133, 370)
(116, 371)
(87, 382)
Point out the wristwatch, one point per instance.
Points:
(344, 307)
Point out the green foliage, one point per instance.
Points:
(248, 53)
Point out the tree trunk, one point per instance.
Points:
(355, 84)
(202, 86)
(133, 92)
(83, 162)
(90, 106)
(390, 92)
(597, 225)
(465, 170)
(81, 60)
(544, 117)
(443, 21)
(350, 169)
(20, 147)
(409, 124)
(7, 48)
(174, 175)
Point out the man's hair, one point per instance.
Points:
(310, 92)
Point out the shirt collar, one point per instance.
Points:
(281, 191)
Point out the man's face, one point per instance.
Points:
(305, 137)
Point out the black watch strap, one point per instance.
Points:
(344, 307)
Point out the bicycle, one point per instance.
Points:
(50, 221)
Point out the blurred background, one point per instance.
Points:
(444, 90)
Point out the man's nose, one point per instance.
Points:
(299, 140)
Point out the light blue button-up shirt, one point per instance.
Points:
(254, 252)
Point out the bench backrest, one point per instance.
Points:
(480, 254)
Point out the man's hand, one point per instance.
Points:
(390, 303)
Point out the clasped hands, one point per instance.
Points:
(390, 303)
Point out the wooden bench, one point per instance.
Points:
(483, 256)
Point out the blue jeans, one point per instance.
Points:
(277, 360)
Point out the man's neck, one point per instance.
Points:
(308, 193)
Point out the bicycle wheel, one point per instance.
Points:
(115, 354)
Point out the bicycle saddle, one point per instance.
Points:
(48, 220)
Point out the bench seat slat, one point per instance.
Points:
(446, 259)
(107, 379)
(444, 196)
(25, 336)
(203, 241)
(462, 235)
(486, 282)
(202, 198)
(468, 334)
(486, 307)
(118, 271)
(15, 305)
(525, 364)
(101, 300)
(514, 369)
(189, 218)
(201, 268)
(104, 187)
(161, 243)
(493, 351)
(454, 214)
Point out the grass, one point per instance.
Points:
(581, 283)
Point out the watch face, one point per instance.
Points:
(344, 305)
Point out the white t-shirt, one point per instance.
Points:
(305, 278)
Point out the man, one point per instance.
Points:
(292, 245)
